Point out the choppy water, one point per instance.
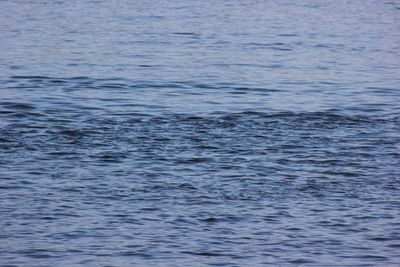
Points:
(199, 133)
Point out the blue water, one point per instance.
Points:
(199, 133)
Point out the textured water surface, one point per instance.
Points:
(199, 133)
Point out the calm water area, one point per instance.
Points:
(199, 133)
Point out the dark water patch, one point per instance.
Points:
(211, 220)
(58, 81)
(34, 78)
(186, 33)
(251, 90)
(187, 186)
(205, 254)
(288, 35)
(111, 156)
(193, 160)
(74, 133)
(17, 106)
(11, 187)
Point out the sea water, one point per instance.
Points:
(199, 133)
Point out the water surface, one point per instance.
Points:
(199, 133)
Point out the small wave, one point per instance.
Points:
(16, 106)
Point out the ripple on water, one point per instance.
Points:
(232, 133)
(204, 173)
